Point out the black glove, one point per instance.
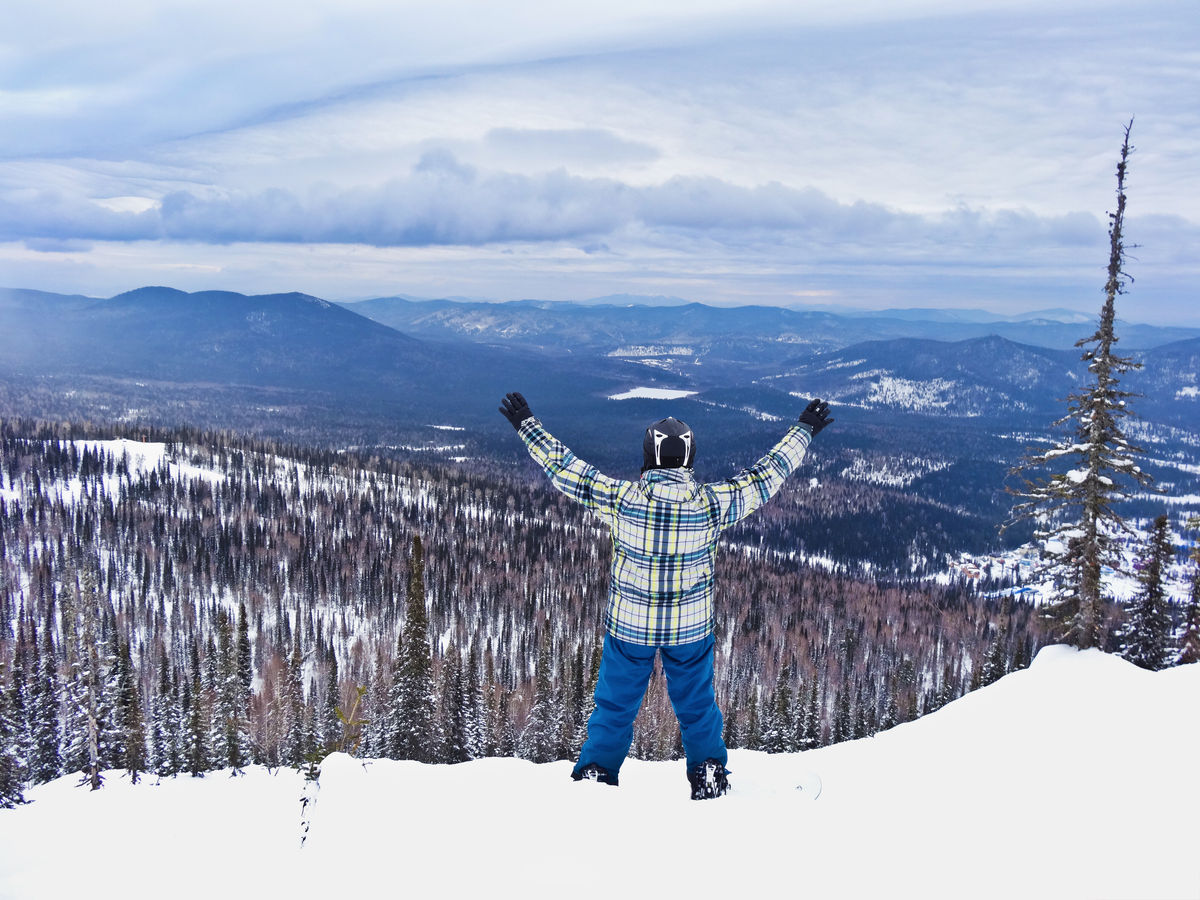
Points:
(815, 415)
(514, 408)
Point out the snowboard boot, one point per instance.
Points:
(709, 779)
(593, 772)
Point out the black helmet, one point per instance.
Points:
(669, 444)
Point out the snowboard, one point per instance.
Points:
(809, 785)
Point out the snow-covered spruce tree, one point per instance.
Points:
(312, 725)
(165, 727)
(454, 713)
(10, 766)
(995, 661)
(217, 751)
(945, 688)
(415, 732)
(85, 678)
(129, 713)
(889, 716)
(506, 737)
(540, 738)
(295, 740)
(330, 731)
(245, 666)
(1189, 640)
(778, 726)
(1145, 637)
(732, 714)
(810, 726)
(573, 702)
(589, 693)
(866, 722)
(475, 705)
(376, 733)
(1022, 654)
(111, 738)
(46, 758)
(752, 739)
(841, 728)
(196, 724)
(231, 698)
(1074, 509)
(20, 740)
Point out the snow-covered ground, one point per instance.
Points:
(1074, 778)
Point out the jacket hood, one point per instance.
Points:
(670, 485)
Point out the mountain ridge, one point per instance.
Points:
(605, 328)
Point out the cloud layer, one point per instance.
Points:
(443, 201)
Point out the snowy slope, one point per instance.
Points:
(1074, 778)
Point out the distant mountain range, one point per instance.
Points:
(924, 314)
(1041, 316)
(604, 327)
(943, 404)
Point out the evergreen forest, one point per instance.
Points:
(185, 602)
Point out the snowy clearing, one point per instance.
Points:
(649, 393)
(934, 394)
(653, 350)
(1022, 771)
(900, 471)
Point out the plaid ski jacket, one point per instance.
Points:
(664, 528)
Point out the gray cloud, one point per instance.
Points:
(440, 202)
(444, 202)
(54, 215)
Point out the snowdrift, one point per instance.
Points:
(1074, 778)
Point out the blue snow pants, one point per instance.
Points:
(625, 671)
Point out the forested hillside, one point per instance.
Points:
(208, 601)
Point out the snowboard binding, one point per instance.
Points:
(709, 779)
(593, 772)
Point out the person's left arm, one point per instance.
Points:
(741, 495)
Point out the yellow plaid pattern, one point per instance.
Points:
(664, 529)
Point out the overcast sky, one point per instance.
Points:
(869, 154)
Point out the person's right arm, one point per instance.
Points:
(576, 478)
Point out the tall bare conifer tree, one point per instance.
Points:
(1074, 509)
